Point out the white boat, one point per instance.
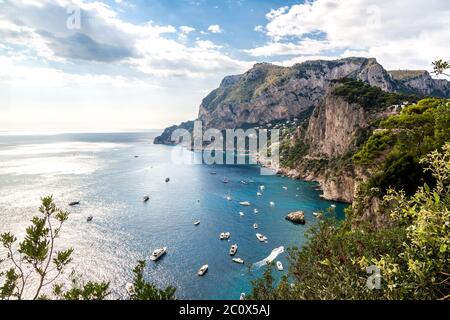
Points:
(238, 260)
(225, 181)
(229, 198)
(202, 270)
(242, 297)
(243, 182)
(272, 204)
(225, 235)
(316, 214)
(130, 289)
(196, 223)
(285, 188)
(245, 203)
(333, 206)
(241, 214)
(259, 194)
(261, 237)
(255, 211)
(233, 249)
(262, 188)
(280, 266)
(255, 226)
(158, 253)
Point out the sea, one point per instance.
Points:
(110, 173)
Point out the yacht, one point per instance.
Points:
(146, 198)
(90, 218)
(233, 249)
(245, 203)
(261, 237)
(280, 266)
(158, 253)
(255, 226)
(238, 260)
(225, 236)
(196, 223)
(202, 270)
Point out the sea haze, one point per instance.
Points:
(101, 171)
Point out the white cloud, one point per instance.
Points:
(215, 28)
(400, 34)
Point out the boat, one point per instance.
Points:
(242, 296)
(167, 180)
(213, 173)
(202, 270)
(229, 198)
(262, 188)
(233, 249)
(225, 181)
(245, 203)
(158, 253)
(225, 236)
(74, 203)
(280, 266)
(136, 156)
(241, 214)
(285, 188)
(255, 226)
(196, 223)
(243, 182)
(238, 260)
(130, 289)
(261, 237)
(90, 218)
(255, 210)
(146, 198)
(333, 206)
(259, 194)
(272, 204)
(316, 214)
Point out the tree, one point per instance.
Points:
(34, 263)
(143, 290)
(440, 66)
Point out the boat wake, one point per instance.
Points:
(272, 256)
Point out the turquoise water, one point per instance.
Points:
(101, 171)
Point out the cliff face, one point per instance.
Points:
(267, 92)
(419, 81)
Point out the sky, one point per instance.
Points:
(79, 65)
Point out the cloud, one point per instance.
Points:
(215, 28)
(400, 34)
(39, 29)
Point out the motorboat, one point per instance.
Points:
(90, 218)
(202, 270)
(238, 260)
(245, 203)
(333, 206)
(255, 210)
(261, 237)
(229, 198)
(255, 226)
(74, 203)
(272, 204)
(225, 181)
(280, 266)
(233, 249)
(225, 236)
(262, 188)
(243, 182)
(146, 198)
(158, 253)
(213, 173)
(167, 180)
(196, 223)
(285, 188)
(242, 296)
(316, 214)
(241, 214)
(259, 194)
